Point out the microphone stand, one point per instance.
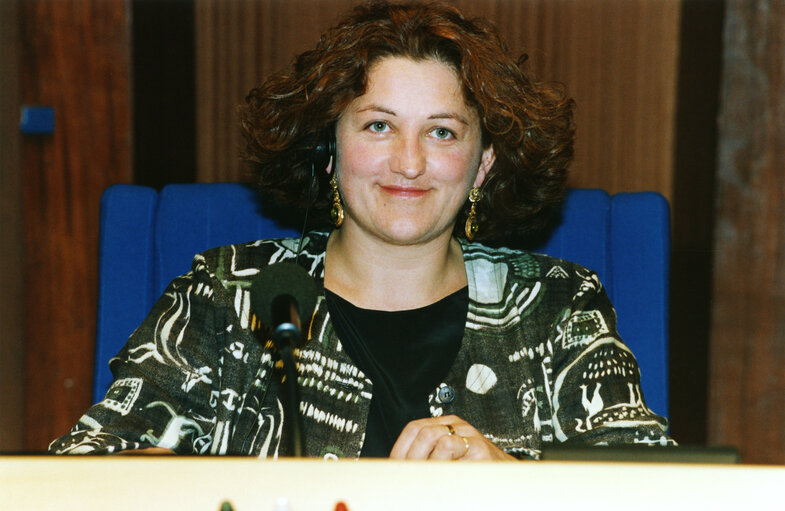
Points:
(285, 337)
(284, 294)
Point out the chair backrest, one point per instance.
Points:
(150, 237)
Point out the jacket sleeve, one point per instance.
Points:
(165, 388)
(596, 386)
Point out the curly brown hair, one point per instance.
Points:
(529, 123)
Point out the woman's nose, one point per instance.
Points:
(410, 158)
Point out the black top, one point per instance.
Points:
(406, 354)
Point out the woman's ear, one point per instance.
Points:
(486, 162)
(329, 168)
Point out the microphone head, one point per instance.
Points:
(282, 280)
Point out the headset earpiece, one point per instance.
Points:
(324, 150)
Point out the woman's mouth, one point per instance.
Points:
(404, 191)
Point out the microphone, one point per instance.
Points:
(283, 297)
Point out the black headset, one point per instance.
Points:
(322, 152)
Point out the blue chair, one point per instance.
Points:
(150, 237)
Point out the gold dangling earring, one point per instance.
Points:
(472, 225)
(336, 211)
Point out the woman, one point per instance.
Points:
(423, 344)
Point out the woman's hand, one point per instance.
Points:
(444, 438)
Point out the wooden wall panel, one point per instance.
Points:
(618, 58)
(75, 58)
(238, 43)
(747, 379)
(11, 309)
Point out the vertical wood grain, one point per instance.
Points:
(11, 280)
(239, 43)
(747, 366)
(618, 58)
(76, 59)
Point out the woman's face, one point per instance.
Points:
(408, 152)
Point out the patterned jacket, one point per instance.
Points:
(540, 362)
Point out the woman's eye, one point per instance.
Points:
(378, 126)
(443, 133)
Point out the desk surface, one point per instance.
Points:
(174, 483)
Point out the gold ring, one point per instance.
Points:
(450, 429)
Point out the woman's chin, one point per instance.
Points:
(399, 229)
(408, 235)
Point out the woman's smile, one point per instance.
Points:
(404, 192)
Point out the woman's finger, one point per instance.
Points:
(420, 437)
